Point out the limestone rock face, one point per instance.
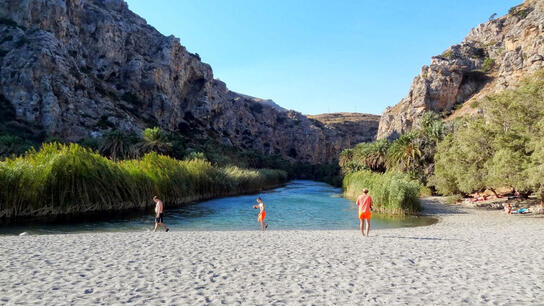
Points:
(494, 56)
(78, 68)
(355, 127)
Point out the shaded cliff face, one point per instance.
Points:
(493, 57)
(78, 68)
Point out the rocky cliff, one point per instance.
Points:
(78, 68)
(493, 57)
(353, 127)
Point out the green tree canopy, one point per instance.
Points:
(501, 147)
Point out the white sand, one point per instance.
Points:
(469, 257)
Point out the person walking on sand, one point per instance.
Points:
(364, 202)
(262, 213)
(159, 207)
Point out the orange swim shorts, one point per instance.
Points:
(365, 215)
(261, 216)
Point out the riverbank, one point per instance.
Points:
(69, 179)
(298, 205)
(393, 193)
(470, 256)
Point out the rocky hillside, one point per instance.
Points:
(78, 68)
(354, 127)
(493, 57)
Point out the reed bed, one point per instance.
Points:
(392, 193)
(70, 179)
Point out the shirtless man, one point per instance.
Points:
(262, 213)
(159, 207)
(364, 202)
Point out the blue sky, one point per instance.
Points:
(319, 56)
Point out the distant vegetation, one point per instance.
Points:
(411, 153)
(224, 170)
(119, 145)
(447, 54)
(64, 179)
(519, 11)
(492, 17)
(502, 147)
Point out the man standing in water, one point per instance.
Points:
(159, 207)
(262, 213)
(364, 202)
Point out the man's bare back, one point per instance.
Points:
(159, 207)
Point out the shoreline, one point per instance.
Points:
(131, 209)
(469, 256)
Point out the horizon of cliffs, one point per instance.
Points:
(78, 69)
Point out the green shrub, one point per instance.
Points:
(392, 192)
(519, 11)
(454, 199)
(488, 64)
(447, 54)
(425, 191)
(513, 10)
(474, 104)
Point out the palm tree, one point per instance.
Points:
(373, 155)
(404, 153)
(154, 140)
(13, 145)
(116, 145)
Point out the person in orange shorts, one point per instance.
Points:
(364, 202)
(262, 213)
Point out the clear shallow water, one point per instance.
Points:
(298, 205)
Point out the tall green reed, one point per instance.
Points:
(66, 179)
(392, 192)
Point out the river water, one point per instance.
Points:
(299, 205)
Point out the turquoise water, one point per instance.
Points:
(298, 205)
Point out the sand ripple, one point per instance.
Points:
(470, 257)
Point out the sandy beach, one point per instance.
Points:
(469, 257)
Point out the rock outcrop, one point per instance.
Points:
(78, 68)
(353, 127)
(493, 57)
